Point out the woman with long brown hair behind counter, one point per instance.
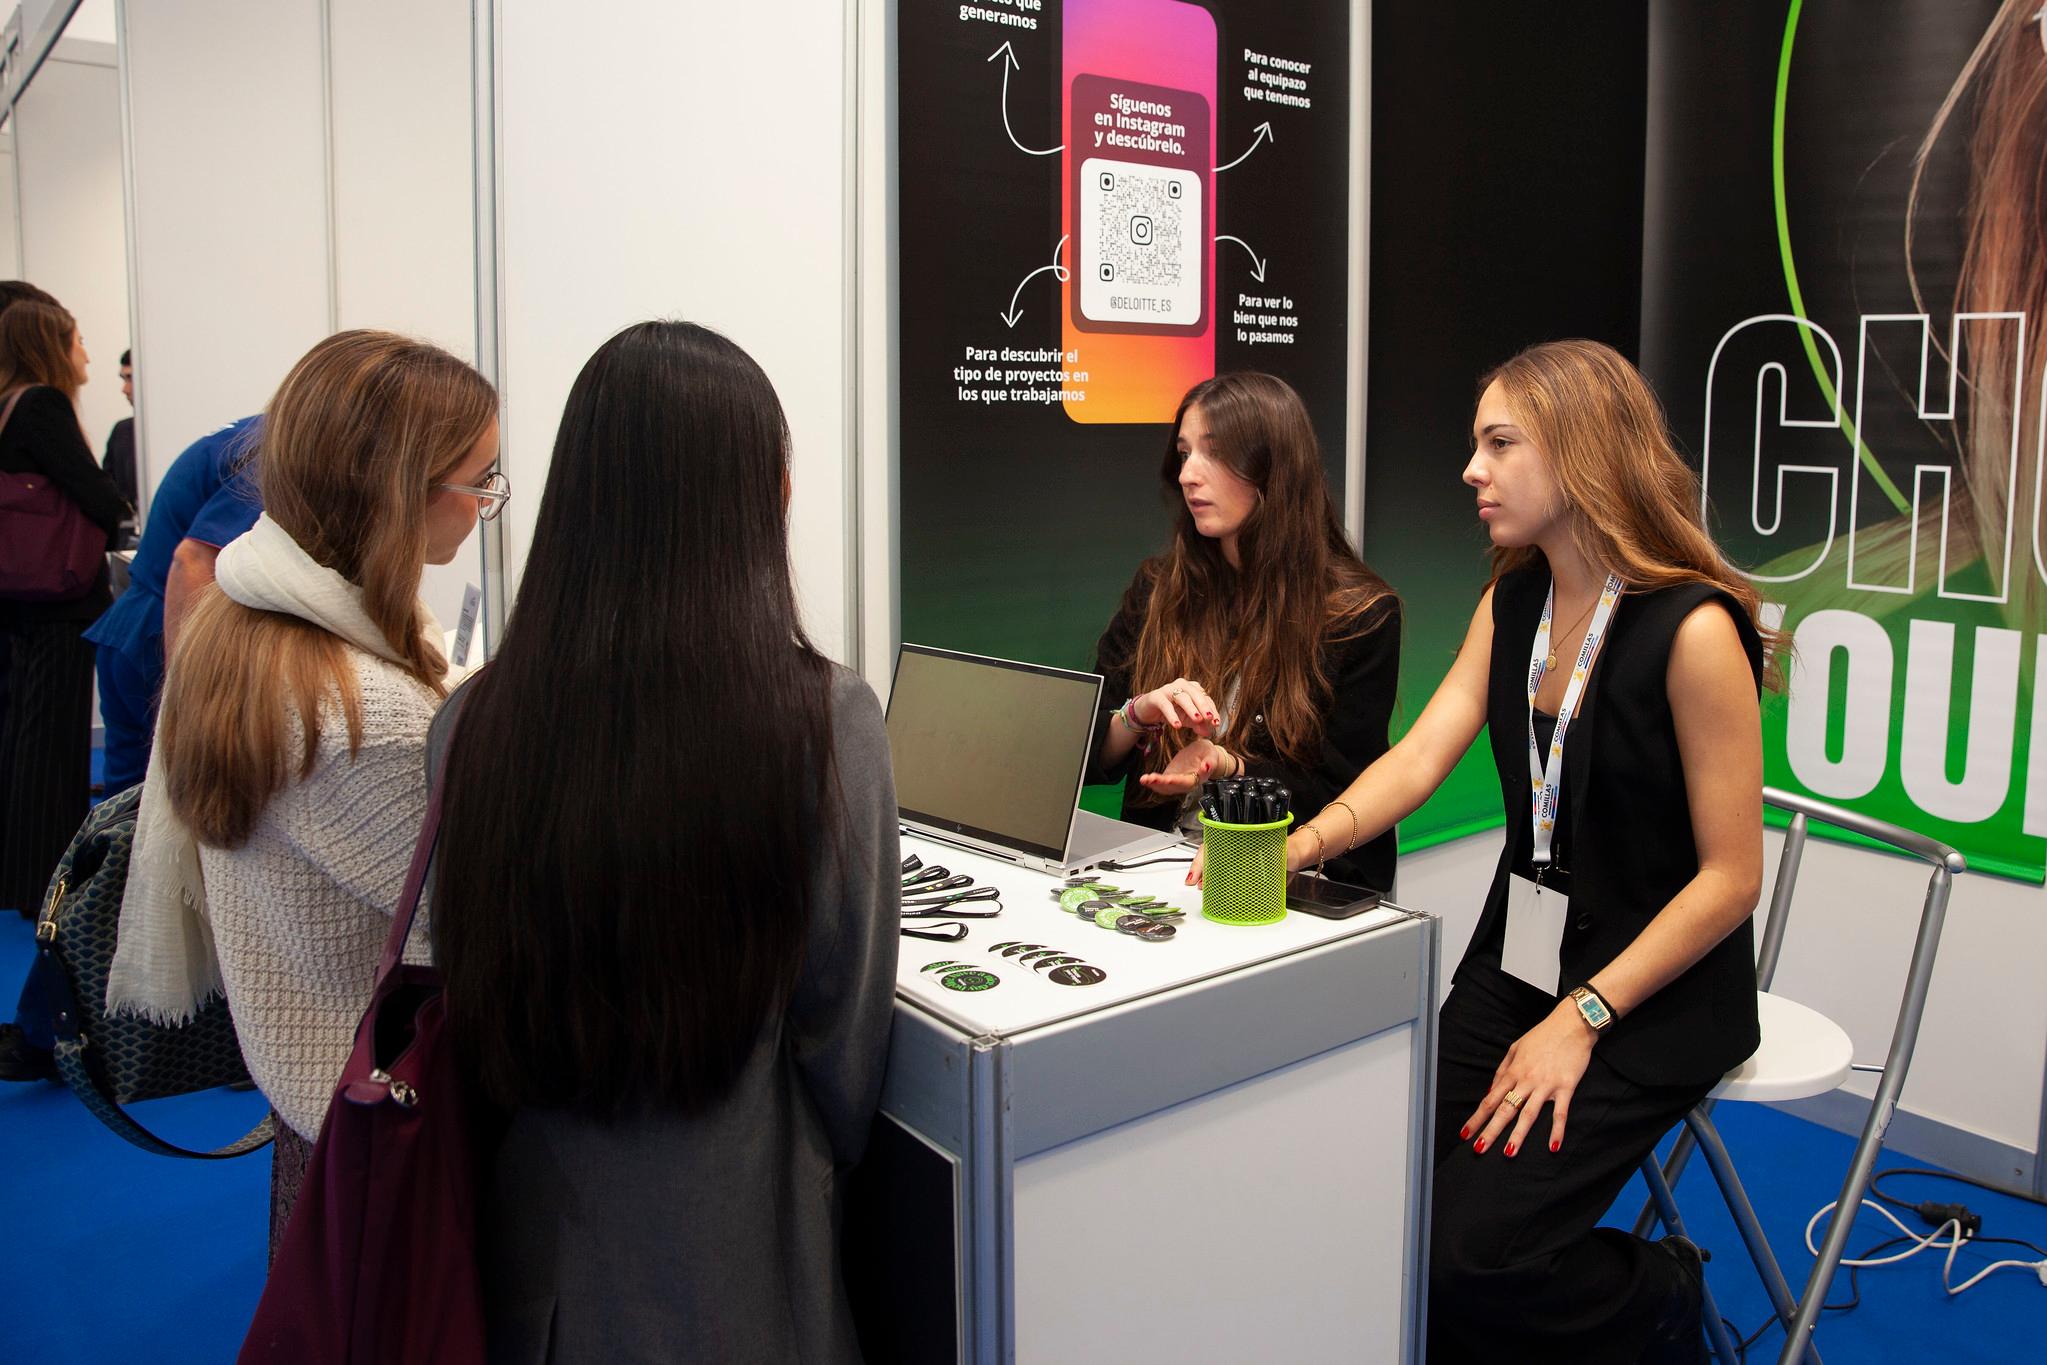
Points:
(1611, 979)
(1258, 643)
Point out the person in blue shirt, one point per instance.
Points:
(206, 499)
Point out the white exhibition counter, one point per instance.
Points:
(1219, 1152)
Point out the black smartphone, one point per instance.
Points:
(1312, 894)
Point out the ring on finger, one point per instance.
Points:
(1512, 1097)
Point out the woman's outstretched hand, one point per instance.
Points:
(1181, 704)
(1543, 1066)
(1188, 769)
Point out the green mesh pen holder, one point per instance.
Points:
(1243, 880)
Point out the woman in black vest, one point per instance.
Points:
(1611, 980)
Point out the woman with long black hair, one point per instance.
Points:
(666, 890)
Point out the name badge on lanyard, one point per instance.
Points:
(1536, 915)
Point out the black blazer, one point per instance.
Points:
(1364, 675)
(1629, 825)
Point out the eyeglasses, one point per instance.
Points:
(495, 490)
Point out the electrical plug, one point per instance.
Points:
(1936, 1215)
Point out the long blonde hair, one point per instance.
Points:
(1608, 446)
(347, 456)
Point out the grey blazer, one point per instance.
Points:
(715, 1237)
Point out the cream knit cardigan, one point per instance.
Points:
(300, 912)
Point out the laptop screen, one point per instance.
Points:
(989, 748)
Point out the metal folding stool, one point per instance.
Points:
(1818, 1059)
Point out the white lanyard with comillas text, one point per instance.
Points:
(1545, 780)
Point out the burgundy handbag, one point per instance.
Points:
(378, 1263)
(49, 550)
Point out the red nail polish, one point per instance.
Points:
(1464, 1132)
(1555, 1144)
(1479, 1146)
(1511, 1149)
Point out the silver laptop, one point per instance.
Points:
(991, 754)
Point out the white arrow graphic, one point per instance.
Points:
(1257, 266)
(1059, 273)
(1264, 132)
(1009, 64)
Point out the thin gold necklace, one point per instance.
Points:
(1550, 660)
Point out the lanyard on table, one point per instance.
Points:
(1544, 780)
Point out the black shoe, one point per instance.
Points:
(1680, 1337)
(21, 1060)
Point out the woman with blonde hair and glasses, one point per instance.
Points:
(288, 782)
(1610, 983)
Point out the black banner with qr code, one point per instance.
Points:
(1101, 203)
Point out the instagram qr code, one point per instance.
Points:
(1141, 248)
(1140, 227)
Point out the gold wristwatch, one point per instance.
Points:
(1592, 1008)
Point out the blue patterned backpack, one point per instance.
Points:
(110, 1060)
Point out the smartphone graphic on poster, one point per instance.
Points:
(1138, 211)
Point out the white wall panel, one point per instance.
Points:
(404, 236)
(665, 160)
(73, 238)
(228, 163)
(10, 238)
(404, 218)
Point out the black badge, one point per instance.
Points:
(934, 966)
(1056, 960)
(970, 979)
(1150, 930)
(1076, 974)
(1042, 952)
(1013, 949)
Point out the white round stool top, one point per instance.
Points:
(1802, 1053)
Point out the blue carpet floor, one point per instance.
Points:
(114, 1255)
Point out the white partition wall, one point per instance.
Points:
(10, 239)
(228, 213)
(663, 160)
(401, 147)
(298, 168)
(67, 135)
(401, 140)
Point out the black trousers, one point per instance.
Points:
(1517, 1269)
(45, 755)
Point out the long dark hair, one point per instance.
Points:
(638, 782)
(1300, 585)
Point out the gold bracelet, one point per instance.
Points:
(1339, 801)
(1321, 849)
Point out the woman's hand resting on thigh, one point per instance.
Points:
(1543, 1066)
